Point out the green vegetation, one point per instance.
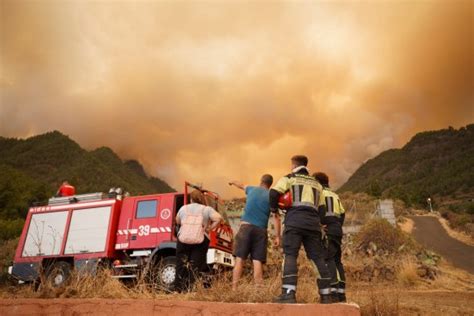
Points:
(436, 164)
(32, 169)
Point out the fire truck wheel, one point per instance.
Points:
(59, 274)
(167, 272)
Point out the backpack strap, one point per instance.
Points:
(186, 210)
(202, 212)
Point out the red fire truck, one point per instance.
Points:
(129, 234)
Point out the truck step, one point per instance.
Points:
(121, 266)
(130, 276)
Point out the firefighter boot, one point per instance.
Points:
(287, 297)
(334, 292)
(324, 291)
(341, 291)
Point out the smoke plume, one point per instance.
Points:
(213, 91)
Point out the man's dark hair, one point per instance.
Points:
(300, 160)
(267, 179)
(322, 178)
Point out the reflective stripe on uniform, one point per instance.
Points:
(296, 194)
(333, 203)
(289, 287)
(330, 206)
(316, 197)
(324, 291)
(304, 189)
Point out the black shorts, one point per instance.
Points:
(251, 240)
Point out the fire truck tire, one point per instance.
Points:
(59, 274)
(166, 272)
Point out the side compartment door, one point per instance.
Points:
(145, 218)
(45, 234)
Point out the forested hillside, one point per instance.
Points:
(437, 164)
(32, 169)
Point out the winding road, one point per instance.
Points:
(429, 232)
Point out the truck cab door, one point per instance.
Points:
(145, 218)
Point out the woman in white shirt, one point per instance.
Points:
(192, 256)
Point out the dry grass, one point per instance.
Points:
(382, 303)
(459, 235)
(452, 279)
(376, 298)
(101, 285)
(221, 290)
(407, 275)
(406, 225)
(248, 292)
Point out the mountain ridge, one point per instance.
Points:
(437, 164)
(32, 169)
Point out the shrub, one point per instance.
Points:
(10, 229)
(7, 252)
(462, 220)
(385, 237)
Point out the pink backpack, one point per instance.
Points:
(192, 229)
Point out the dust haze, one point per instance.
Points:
(209, 92)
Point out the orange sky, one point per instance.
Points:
(209, 92)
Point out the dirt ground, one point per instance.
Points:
(437, 302)
(415, 302)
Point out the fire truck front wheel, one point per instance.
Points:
(58, 275)
(165, 271)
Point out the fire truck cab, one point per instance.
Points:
(131, 235)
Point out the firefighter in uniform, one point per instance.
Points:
(333, 221)
(302, 226)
